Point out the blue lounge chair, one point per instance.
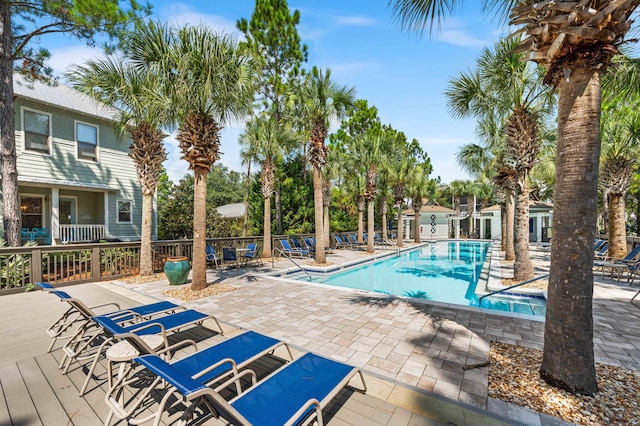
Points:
(230, 256)
(626, 264)
(601, 252)
(252, 254)
(211, 257)
(295, 394)
(296, 243)
(79, 314)
(208, 366)
(84, 346)
(290, 251)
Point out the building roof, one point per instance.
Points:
(232, 211)
(533, 205)
(430, 208)
(62, 97)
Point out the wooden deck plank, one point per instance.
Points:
(78, 410)
(19, 403)
(44, 398)
(4, 409)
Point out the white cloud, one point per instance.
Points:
(76, 54)
(179, 14)
(353, 20)
(461, 38)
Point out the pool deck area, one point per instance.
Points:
(412, 351)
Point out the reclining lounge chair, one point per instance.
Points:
(293, 394)
(208, 366)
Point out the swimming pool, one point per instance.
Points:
(446, 271)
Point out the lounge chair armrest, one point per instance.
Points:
(236, 379)
(310, 403)
(216, 365)
(104, 305)
(180, 344)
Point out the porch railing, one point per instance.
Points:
(82, 233)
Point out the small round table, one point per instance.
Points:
(123, 352)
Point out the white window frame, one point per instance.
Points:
(24, 131)
(75, 131)
(124, 200)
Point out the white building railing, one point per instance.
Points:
(82, 233)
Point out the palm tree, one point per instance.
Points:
(509, 96)
(370, 153)
(418, 187)
(355, 186)
(209, 84)
(620, 136)
(331, 172)
(575, 44)
(383, 200)
(321, 100)
(457, 189)
(400, 169)
(137, 94)
(266, 142)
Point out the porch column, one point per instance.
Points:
(55, 215)
(407, 229)
(456, 225)
(106, 213)
(538, 228)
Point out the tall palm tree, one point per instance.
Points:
(509, 96)
(137, 94)
(418, 187)
(575, 44)
(321, 100)
(620, 136)
(400, 168)
(266, 142)
(383, 200)
(209, 84)
(370, 154)
(330, 173)
(457, 189)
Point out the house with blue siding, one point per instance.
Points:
(76, 180)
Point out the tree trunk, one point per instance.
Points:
(617, 230)
(245, 222)
(522, 267)
(266, 239)
(199, 260)
(278, 211)
(416, 216)
(470, 209)
(317, 201)
(509, 252)
(568, 359)
(383, 213)
(370, 223)
(360, 238)
(503, 227)
(327, 226)
(605, 211)
(400, 226)
(146, 252)
(8, 158)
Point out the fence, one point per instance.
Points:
(77, 263)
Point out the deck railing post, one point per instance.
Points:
(36, 265)
(95, 263)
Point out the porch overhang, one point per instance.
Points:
(49, 183)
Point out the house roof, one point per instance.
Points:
(63, 97)
(232, 211)
(533, 204)
(430, 208)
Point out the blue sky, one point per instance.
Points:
(403, 75)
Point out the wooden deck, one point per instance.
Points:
(33, 391)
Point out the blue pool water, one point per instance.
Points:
(444, 272)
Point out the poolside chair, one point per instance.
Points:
(601, 252)
(211, 257)
(207, 366)
(294, 394)
(290, 251)
(340, 243)
(230, 255)
(79, 314)
(252, 254)
(296, 243)
(625, 264)
(84, 345)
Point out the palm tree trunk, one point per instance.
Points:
(605, 211)
(266, 239)
(245, 222)
(278, 211)
(385, 233)
(8, 157)
(327, 230)
(509, 253)
(568, 359)
(522, 267)
(617, 230)
(370, 231)
(317, 201)
(416, 215)
(400, 226)
(503, 227)
(199, 260)
(360, 226)
(146, 252)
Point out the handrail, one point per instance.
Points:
(510, 287)
(292, 261)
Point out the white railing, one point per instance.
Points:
(80, 233)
